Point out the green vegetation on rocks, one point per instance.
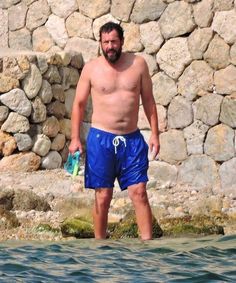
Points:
(77, 227)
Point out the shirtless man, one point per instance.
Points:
(115, 146)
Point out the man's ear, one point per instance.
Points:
(122, 42)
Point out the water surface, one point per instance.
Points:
(208, 259)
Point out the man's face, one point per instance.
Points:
(111, 46)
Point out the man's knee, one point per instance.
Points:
(103, 198)
(138, 193)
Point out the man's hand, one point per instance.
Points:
(75, 145)
(154, 146)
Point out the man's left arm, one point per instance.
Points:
(150, 110)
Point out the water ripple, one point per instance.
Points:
(209, 259)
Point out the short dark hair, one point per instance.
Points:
(110, 26)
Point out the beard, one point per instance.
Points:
(113, 56)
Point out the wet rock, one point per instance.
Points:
(78, 228)
(27, 200)
(128, 228)
(6, 198)
(8, 220)
(199, 225)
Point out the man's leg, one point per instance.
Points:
(138, 195)
(102, 202)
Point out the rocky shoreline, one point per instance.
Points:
(40, 205)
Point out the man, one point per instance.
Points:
(115, 146)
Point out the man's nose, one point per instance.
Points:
(110, 44)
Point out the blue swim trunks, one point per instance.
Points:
(110, 156)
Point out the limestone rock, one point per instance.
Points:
(94, 9)
(223, 5)
(17, 16)
(203, 13)
(196, 80)
(7, 83)
(39, 111)
(16, 67)
(162, 118)
(4, 111)
(21, 162)
(20, 39)
(217, 54)
(8, 3)
(42, 40)
(164, 88)
(23, 141)
(52, 75)
(79, 25)
(225, 80)
(132, 37)
(32, 82)
(228, 176)
(7, 144)
(57, 109)
(174, 56)
(164, 174)
(52, 160)
(122, 9)
(228, 112)
(207, 109)
(180, 113)
(17, 101)
(224, 23)
(42, 145)
(65, 128)
(87, 47)
(37, 14)
(45, 92)
(51, 127)
(198, 41)
(6, 198)
(69, 99)
(58, 142)
(70, 77)
(219, 143)
(198, 171)
(42, 63)
(56, 28)
(176, 20)
(173, 147)
(195, 136)
(151, 36)
(146, 10)
(233, 54)
(58, 92)
(63, 8)
(15, 123)
(3, 28)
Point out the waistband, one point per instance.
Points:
(112, 135)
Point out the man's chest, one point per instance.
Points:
(109, 82)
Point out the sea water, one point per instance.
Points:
(208, 259)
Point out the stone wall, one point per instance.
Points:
(190, 48)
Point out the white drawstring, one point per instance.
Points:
(116, 142)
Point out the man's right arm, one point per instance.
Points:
(79, 104)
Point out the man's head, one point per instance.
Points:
(111, 39)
